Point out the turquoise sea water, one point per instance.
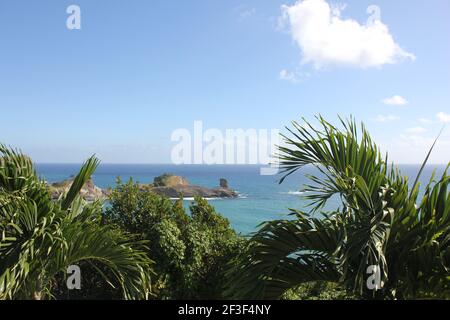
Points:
(262, 198)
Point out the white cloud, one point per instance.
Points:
(415, 140)
(425, 121)
(326, 39)
(293, 76)
(247, 13)
(395, 101)
(443, 117)
(287, 75)
(416, 130)
(413, 148)
(244, 12)
(388, 118)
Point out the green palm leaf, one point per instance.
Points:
(40, 238)
(378, 223)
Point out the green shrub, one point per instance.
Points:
(190, 250)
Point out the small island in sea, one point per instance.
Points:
(168, 185)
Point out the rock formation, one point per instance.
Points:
(173, 186)
(223, 183)
(168, 185)
(89, 192)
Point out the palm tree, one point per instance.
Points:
(379, 226)
(40, 238)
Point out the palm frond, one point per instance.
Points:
(80, 180)
(40, 238)
(378, 223)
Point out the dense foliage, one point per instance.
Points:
(41, 238)
(380, 222)
(190, 250)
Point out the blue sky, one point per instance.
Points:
(137, 70)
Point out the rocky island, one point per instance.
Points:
(168, 185)
(89, 192)
(173, 186)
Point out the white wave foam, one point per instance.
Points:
(295, 193)
(192, 199)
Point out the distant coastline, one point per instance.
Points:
(260, 198)
(168, 185)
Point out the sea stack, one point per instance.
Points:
(223, 183)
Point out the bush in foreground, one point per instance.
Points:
(190, 250)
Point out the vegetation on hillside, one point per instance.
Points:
(140, 245)
(381, 222)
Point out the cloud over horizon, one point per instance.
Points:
(416, 130)
(395, 101)
(443, 117)
(386, 118)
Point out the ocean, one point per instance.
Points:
(261, 199)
